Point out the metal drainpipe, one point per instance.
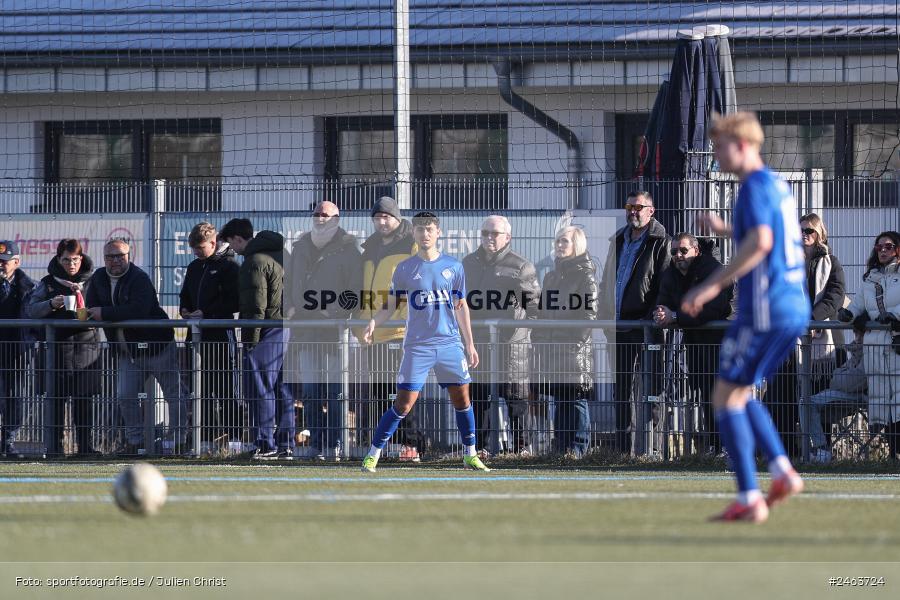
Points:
(576, 170)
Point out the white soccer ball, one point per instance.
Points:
(140, 489)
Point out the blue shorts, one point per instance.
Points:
(449, 363)
(748, 356)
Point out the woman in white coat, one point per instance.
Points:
(879, 300)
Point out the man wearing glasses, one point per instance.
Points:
(631, 281)
(502, 285)
(120, 291)
(322, 281)
(692, 262)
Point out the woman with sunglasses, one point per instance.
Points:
(879, 300)
(825, 287)
(565, 357)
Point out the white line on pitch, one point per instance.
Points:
(598, 496)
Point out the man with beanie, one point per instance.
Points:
(260, 286)
(323, 276)
(15, 286)
(391, 244)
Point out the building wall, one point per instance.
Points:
(272, 130)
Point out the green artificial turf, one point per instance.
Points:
(417, 518)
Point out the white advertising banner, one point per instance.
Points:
(37, 237)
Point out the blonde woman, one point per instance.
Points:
(565, 356)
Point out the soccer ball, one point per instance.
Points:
(140, 489)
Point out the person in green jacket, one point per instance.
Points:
(260, 284)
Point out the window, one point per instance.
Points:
(105, 166)
(798, 147)
(459, 161)
(185, 157)
(876, 151)
(92, 157)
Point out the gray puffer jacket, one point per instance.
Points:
(566, 356)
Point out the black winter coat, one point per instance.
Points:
(135, 298)
(334, 269)
(13, 307)
(569, 293)
(675, 285)
(640, 295)
(76, 349)
(504, 286)
(211, 285)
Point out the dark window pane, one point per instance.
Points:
(468, 153)
(876, 151)
(95, 157)
(185, 156)
(367, 155)
(795, 148)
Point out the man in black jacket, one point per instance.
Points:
(325, 269)
(639, 255)
(261, 285)
(120, 291)
(692, 263)
(501, 285)
(210, 291)
(15, 286)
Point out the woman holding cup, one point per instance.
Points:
(60, 295)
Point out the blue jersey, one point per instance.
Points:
(431, 290)
(774, 293)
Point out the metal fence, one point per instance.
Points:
(197, 398)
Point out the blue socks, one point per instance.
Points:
(737, 437)
(764, 430)
(465, 422)
(388, 424)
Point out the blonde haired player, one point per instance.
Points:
(773, 311)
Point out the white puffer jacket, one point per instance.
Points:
(881, 363)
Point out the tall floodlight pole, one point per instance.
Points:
(402, 129)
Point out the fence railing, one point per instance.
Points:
(91, 398)
(813, 190)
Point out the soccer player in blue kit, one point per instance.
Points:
(773, 311)
(433, 285)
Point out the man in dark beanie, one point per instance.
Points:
(391, 243)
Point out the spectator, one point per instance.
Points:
(825, 287)
(692, 262)
(210, 291)
(639, 254)
(879, 300)
(76, 350)
(120, 291)
(566, 356)
(502, 285)
(260, 285)
(391, 244)
(325, 265)
(15, 286)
